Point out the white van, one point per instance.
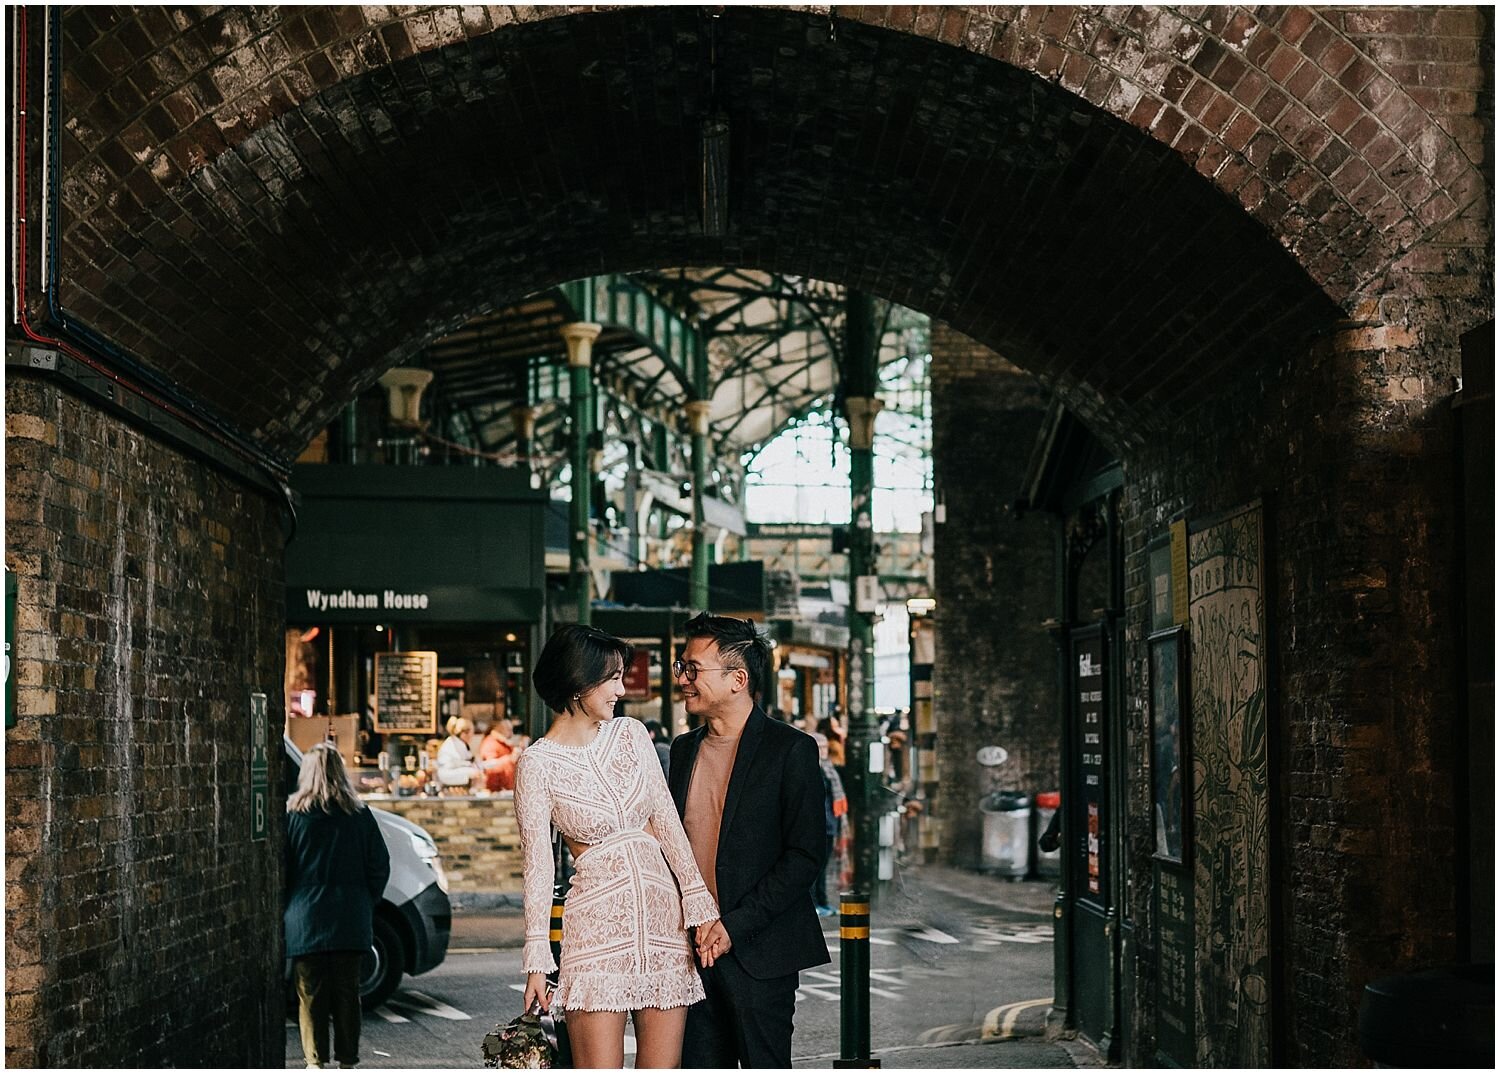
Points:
(414, 917)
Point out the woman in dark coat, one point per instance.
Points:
(336, 867)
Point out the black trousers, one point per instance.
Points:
(328, 988)
(743, 1021)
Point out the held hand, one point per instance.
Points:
(713, 942)
(536, 991)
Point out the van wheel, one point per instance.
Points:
(381, 969)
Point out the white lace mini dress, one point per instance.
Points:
(625, 944)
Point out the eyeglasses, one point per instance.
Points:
(680, 669)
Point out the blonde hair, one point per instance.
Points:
(457, 725)
(323, 783)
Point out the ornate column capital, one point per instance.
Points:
(862, 411)
(580, 336)
(697, 412)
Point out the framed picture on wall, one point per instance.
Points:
(1171, 758)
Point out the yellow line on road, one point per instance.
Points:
(1000, 1023)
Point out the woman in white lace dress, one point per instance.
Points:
(636, 888)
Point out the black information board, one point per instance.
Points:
(406, 693)
(1090, 820)
(1174, 965)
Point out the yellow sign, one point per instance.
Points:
(1179, 572)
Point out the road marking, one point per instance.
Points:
(391, 1016)
(1000, 1023)
(930, 934)
(949, 1034)
(993, 934)
(833, 938)
(411, 999)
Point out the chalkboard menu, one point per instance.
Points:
(406, 693)
(1086, 676)
(1174, 966)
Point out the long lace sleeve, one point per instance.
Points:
(698, 905)
(534, 819)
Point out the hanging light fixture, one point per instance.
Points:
(713, 144)
(715, 149)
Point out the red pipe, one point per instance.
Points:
(22, 53)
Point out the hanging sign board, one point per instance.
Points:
(406, 693)
(637, 677)
(1086, 676)
(260, 768)
(1175, 1045)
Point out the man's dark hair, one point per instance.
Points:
(740, 645)
(574, 661)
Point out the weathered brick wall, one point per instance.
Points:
(192, 138)
(995, 680)
(141, 921)
(477, 837)
(1349, 445)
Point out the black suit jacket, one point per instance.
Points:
(771, 844)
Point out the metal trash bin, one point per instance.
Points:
(1006, 840)
(1048, 862)
(1435, 1018)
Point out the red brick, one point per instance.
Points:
(1294, 22)
(1348, 178)
(1283, 62)
(1190, 140)
(1359, 135)
(1270, 105)
(1050, 61)
(1219, 109)
(1056, 22)
(1194, 100)
(1075, 71)
(1177, 80)
(1144, 113)
(1241, 129)
(1167, 125)
(952, 31)
(1302, 81)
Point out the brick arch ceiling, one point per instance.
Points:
(270, 205)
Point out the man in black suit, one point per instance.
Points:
(751, 798)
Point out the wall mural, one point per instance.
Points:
(1231, 800)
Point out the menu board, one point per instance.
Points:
(406, 693)
(1174, 965)
(1087, 679)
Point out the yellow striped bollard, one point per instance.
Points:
(554, 933)
(854, 982)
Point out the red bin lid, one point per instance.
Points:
(1049, 800)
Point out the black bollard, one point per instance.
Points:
(854, 982)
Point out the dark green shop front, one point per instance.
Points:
(391, 559)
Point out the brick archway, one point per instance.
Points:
(221, 174)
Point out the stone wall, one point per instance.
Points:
(995, 680)
(141, 920)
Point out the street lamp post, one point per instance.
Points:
(580, 336)
(862, 405)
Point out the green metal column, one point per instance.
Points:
(697, 411)
(862, 405)
(580, 338)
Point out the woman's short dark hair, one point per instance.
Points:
(740, 645)
(574, 661)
